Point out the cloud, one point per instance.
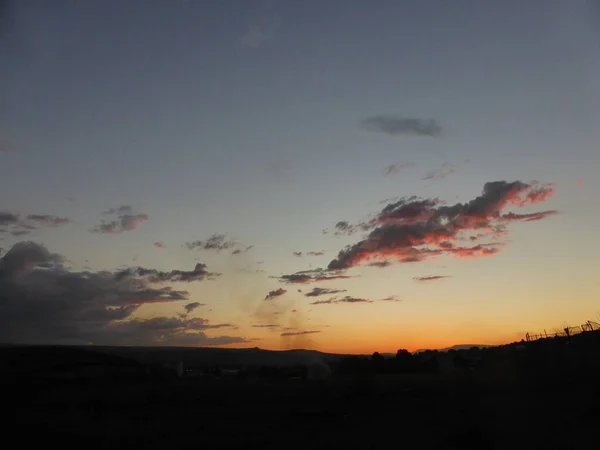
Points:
(396, 168)
(298, 333)
(431, 278)
(317, 291)
(20, 232)
(216, 242)
(395, 125)
(276, 293)
(156, 276)
(312, 276)
(23, 226)
(440, 173)
(48, 220)
(345, 228)
(265, 326)
(528, 217)
(346, 299)
(7, 218)
(240, 251)
(125, 221)
(159, 244)
(380, 264)
(192, 306)
(414, 230)
(42, 301)
(299, 254)
(350, 299)
(121, 210)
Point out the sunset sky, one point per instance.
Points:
(436, 160)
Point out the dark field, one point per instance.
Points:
(546, 397)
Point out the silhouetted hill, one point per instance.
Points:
(223, 357)
(455, 347)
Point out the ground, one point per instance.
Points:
(462, 411)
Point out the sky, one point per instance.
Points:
(342, 176)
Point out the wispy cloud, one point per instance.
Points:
(312, 276)
(443, 171)
(125, 220)
(21, 226)
(298, 333)
(440, 173)
(397, 125)
(299, 254)
(190, 307)
(397, 168)
(347, 299)
(317, 292)
(413, 229)
(350, 299)
(216, 242)
(199, 273)
(159, 244)
(431, 278)
(48, 220)
(276, 293)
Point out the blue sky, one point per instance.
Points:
(244, 119)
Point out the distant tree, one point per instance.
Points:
(403, 355)
(378, 362)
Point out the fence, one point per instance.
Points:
(568, 331)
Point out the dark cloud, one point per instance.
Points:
(396, 168)
(7, 218)
(396, 125)
(345, 228)
(42, 301)
(121, 210)
(317, 292)
(192, 306)
(276, 293)
(23, 226)
(156, 276)
(312, 276)
(380, 264)
(125, 221)
(48, 220)
(265, 326)
(320, 253)
(299, 333)
(350, 299)
(528, 217)
(431, 278)
(159, 244)
(239, 251)
(347, 299)
(20, 232)
(413, 230)
(216, 242)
